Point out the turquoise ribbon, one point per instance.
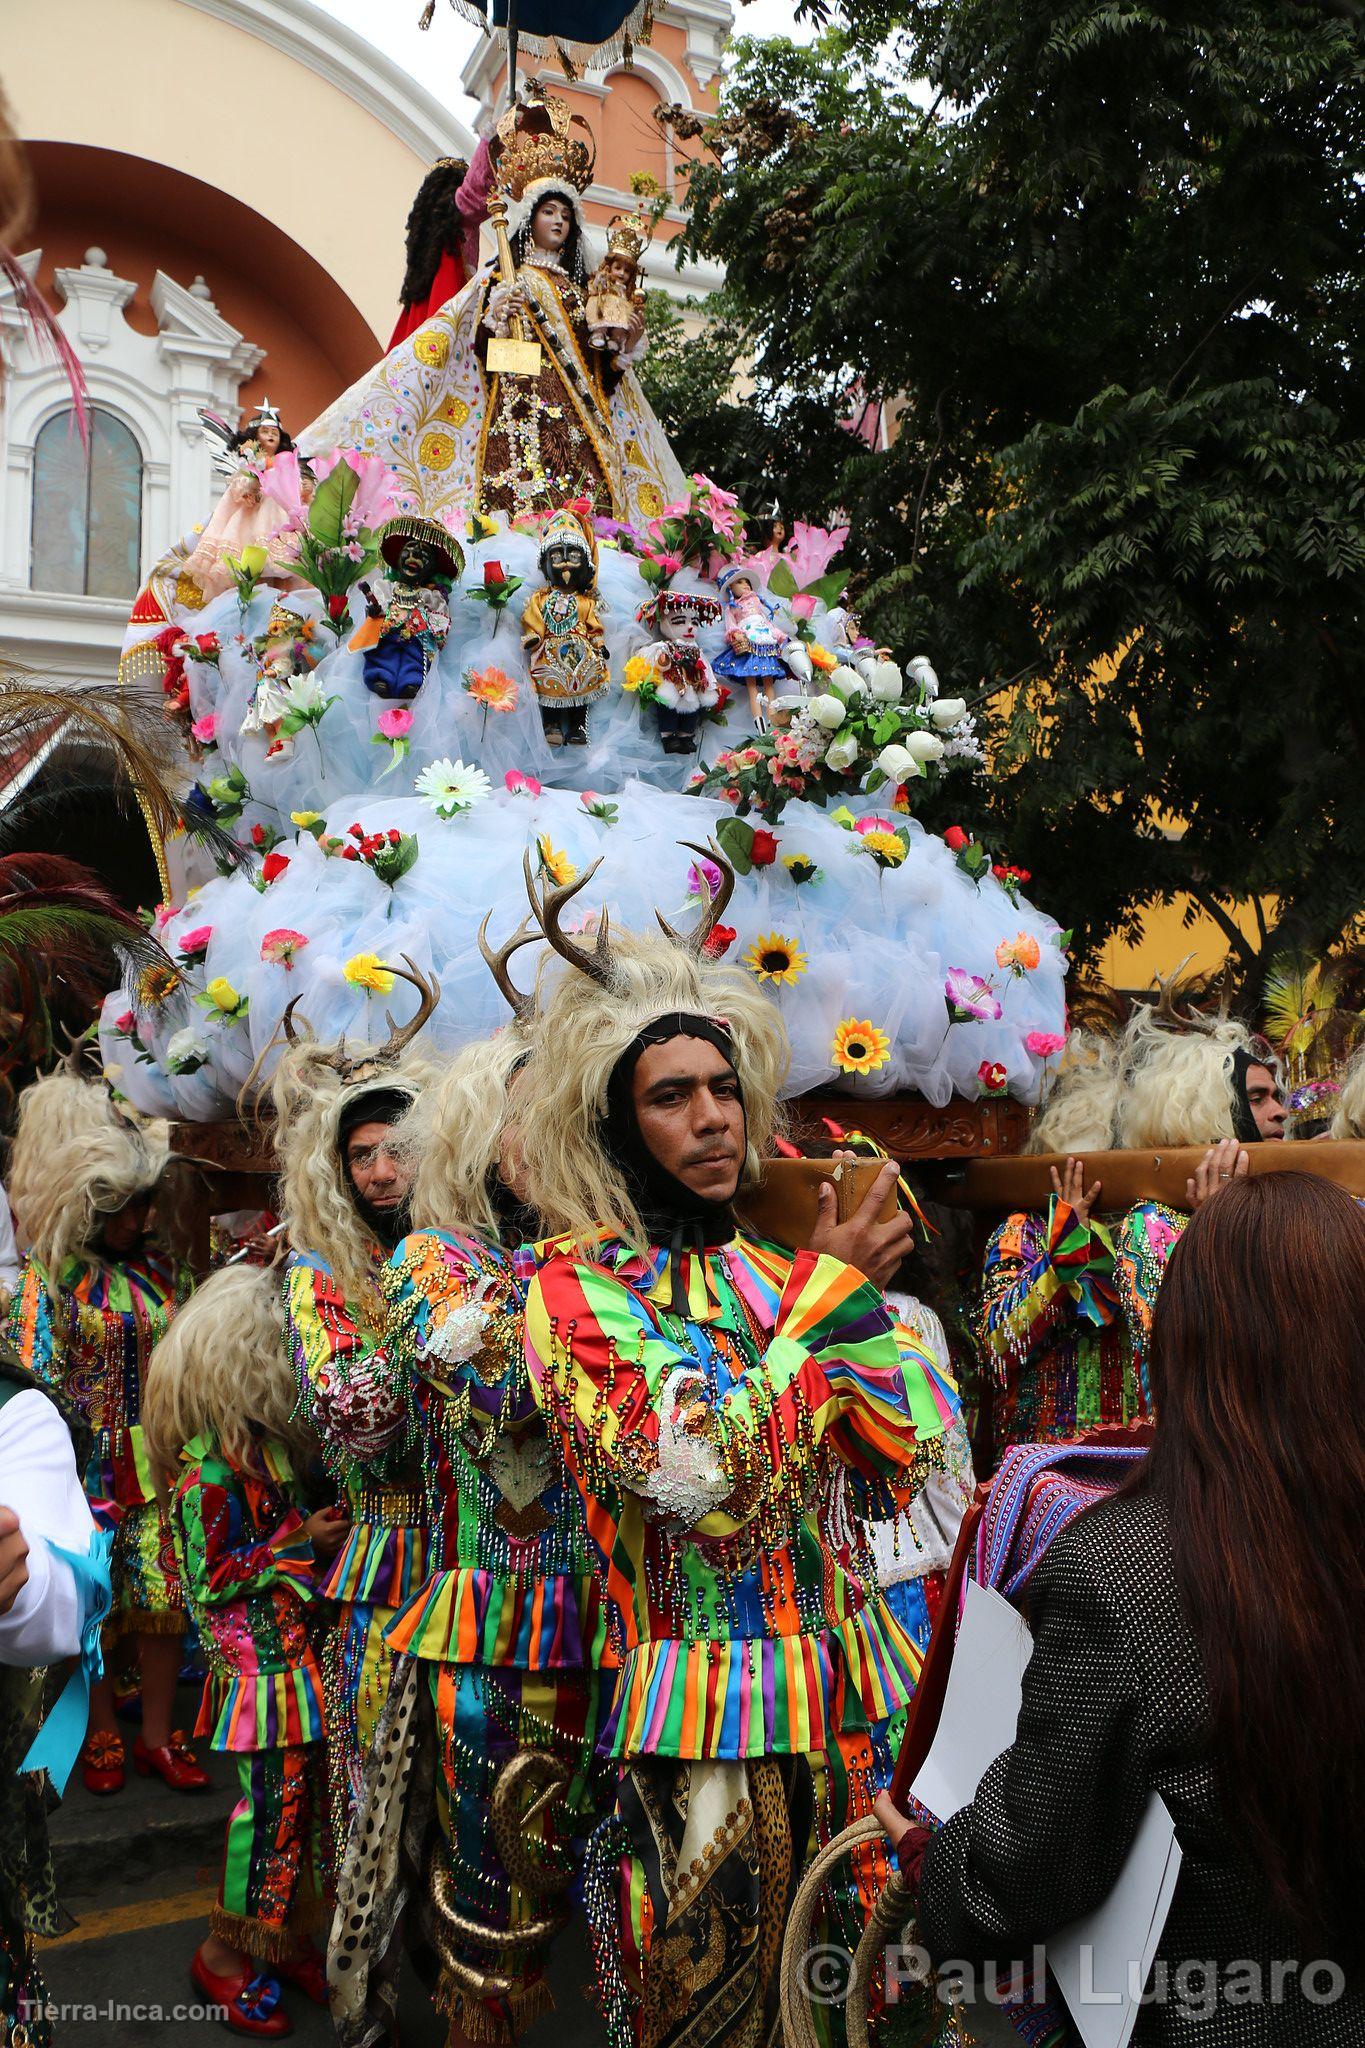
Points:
(57, 1744)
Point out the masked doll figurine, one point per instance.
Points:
(686, 686)
(562, 633)
(282, 654)
(401, 639)
(754, 642)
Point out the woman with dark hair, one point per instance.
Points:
(1201, 1635)
(442, 237)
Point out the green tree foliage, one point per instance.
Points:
(1110, 259)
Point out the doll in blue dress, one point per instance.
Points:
(754, 642)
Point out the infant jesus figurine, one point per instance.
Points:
(614, 293)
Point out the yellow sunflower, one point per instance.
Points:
(859, 1047)
(367, 971)
(555, 864)
(775, 958)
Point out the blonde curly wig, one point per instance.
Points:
(222, 1370)
(75, 1160)
(452, 1136)
(582, 1030)
(1078, 1111)
(1349, 1120)
(317, 1206)
(1176, 1086)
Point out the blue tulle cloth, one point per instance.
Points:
(869, 945)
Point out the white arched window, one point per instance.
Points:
(87, 508)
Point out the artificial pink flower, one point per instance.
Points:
(521, 785)
(1043, 1044)
(803, 607)
(704, 879)
(378, 488)
(810, 551)
(395, 721)
(205, 729)
(281, 946)
(193, 945)
(125, 1022)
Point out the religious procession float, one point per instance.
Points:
(475, 624)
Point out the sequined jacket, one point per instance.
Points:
(91, 1343)
(511, 1579)
(1048, 1326)
(346, 1399)
(1142, 1244)
(249, 1578)
(1114, 1709)
(726, 1458)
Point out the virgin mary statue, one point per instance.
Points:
(463, 438)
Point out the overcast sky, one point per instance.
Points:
(437, 55)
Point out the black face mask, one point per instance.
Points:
(672, 1213)
(518, 1223)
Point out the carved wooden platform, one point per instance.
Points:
(217, 1167)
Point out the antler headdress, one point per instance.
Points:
(370, 1062)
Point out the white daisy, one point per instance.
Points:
(449, 787)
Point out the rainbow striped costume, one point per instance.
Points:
(1143, 1242)
(1049, 1327)
(90, 1342)
(509, 1628)
(728, 1460)
(249, 1581)
(333, 1343)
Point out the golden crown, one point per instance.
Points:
(545, 145)
(629, 235)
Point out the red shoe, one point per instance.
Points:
(102, 1762)
(174, 1761)
(309, 1972)
(251, 2003)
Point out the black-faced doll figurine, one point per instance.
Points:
(561, 631)
(403, 636)
(614, 292)
(755, 644)
(686, 685)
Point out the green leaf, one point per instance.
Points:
(782, 583)
(331, 502)
(735, 839)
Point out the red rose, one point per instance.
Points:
(493, 577)
(258, 835)
(355, 831)
(763, 852)
(273, 866)
(1021, 874)
(719, 941)
(955, 838)
(999, 870)
(336, 606)
(394, 835)
(349, 853)
(207, 643)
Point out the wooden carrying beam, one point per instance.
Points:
(1128, 1177)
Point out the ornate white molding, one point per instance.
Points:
(333, 52)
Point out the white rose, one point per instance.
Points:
(924, 746)
(947, 711)
(898, 764)
(846, 681)
(186, 1051)
(828, 711)
(920, 670)
(887, 682)
(843, 753)
(792, 701)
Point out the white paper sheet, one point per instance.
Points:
(980, 1705)
(1101, 1962)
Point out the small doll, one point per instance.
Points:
(755, 644)
(614, 293)
(219, 1420)
(402, 638)
(561, 631)
(244, 516)
(282, 653)
(686, 686)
